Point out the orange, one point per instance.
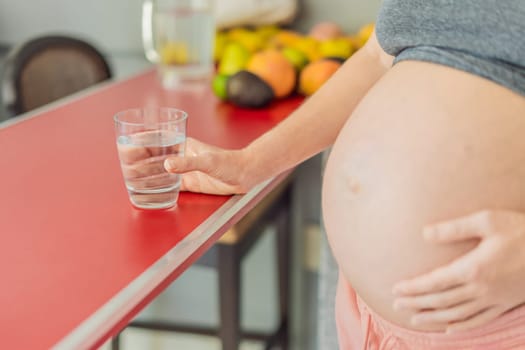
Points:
(315, 74)
(273, 67)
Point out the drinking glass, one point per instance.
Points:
(145, 138)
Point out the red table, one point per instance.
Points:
(77, 261)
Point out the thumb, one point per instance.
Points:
(188, 163)
(461, 229)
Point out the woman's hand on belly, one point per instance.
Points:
(478, 286)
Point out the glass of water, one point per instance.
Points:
(178, 35)
(145, 138)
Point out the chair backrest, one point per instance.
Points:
(47, 68)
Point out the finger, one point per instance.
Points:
(198, 182)
(129, 154)
(143, 168)
(188, 183)
(203, 163)
(142, 145)
(151, 182)
(194, 145)
(473, 226)
(437, 280)
(440, 300)
(477, 320)
(452, 314)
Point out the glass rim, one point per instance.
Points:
(179, 117)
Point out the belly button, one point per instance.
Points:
(354, 185)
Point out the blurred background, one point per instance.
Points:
(115, 28)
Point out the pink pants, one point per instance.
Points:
(359, 328)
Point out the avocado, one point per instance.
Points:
(246, 89)
(336, 59)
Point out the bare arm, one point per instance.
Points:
(307, 131)
(315, 125)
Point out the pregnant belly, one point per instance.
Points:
(427, 143)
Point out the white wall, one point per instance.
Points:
(349, 14)
(114, 25)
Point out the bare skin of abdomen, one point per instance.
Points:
(427, 143)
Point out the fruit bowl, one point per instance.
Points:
(258, 65)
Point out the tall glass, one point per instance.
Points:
(178, 35)
(145, 138)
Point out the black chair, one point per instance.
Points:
(46, 68)
(226, 256)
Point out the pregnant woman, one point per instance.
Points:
(424, 190)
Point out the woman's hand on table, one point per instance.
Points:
(478, 286)
(209, 169)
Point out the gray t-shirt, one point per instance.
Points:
(483, 37)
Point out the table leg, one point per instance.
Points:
(115, 342)
(283, 250)
(229, 295)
